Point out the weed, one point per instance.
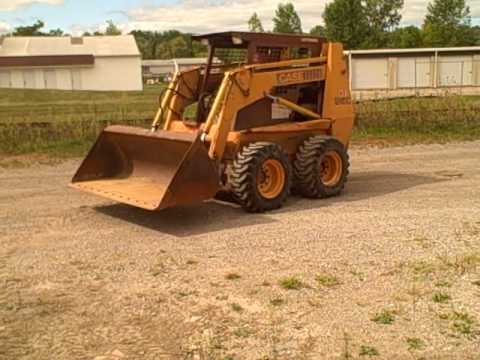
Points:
(192, 262)
(385, 317)
(476, 283)
(232, 276)
(415, 344)
(467, 263)
(441, 297)
(358, 274)
(236, 307)
(463, 323)
(366, 350)
(462, 264)
(291, 283)
(423, 268)
(327, 280)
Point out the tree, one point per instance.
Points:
(475, 32)
(56, 32)
(174, 48)
(318, 30)
(383, 16)
(31, 30)
(112, 29)
(255, 24)
(447, 23)
(345, 21)
(406, 37)
(167, 44)
(286, 20)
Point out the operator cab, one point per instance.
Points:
(227, 50)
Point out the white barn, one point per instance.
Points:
(103, 63)
(162, 69)
(421, 72)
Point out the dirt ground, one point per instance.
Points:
(390, 270)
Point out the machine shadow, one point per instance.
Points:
(216, 216)
(366, 185)
(182, 222)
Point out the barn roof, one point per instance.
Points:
(179, 61)
(98, 46)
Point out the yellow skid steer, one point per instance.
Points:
(267, 113)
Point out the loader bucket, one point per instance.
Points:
(150, 170)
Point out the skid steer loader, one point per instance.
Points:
(268, 113)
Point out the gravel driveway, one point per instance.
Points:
(390, 270)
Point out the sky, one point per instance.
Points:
(201, 16)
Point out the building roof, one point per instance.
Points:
(98, 46)
(171, 62)
(179, 61)
(414, 51)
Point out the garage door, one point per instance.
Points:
(76, 80)
(50, 77)
(456, 71)
(406, 73)
(5, 79)
(370, 74)
(423, 70)
(29, 79)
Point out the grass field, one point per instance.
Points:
(65, 123)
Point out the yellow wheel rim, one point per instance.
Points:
(331, 168)
(271, 179)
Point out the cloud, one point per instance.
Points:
(11, 5)
(4, 27)
(222, 15)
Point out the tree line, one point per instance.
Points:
(375, 24)
(359, 24)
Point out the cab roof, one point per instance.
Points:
(238, 39)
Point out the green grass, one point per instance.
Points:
(327, 280)
(50, 106)
(415, 344)
(291, 283)
(66, 123)
(414, 120)
(441, 297)
(384, 317)
(464, 324)
(370, 351)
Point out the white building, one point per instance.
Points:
(107, 63)
(407, 72)
(162, 69)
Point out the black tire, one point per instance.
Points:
(309, 168)
(244, 177)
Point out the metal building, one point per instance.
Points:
(162, 69)
(107, 63)
(404, 72)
